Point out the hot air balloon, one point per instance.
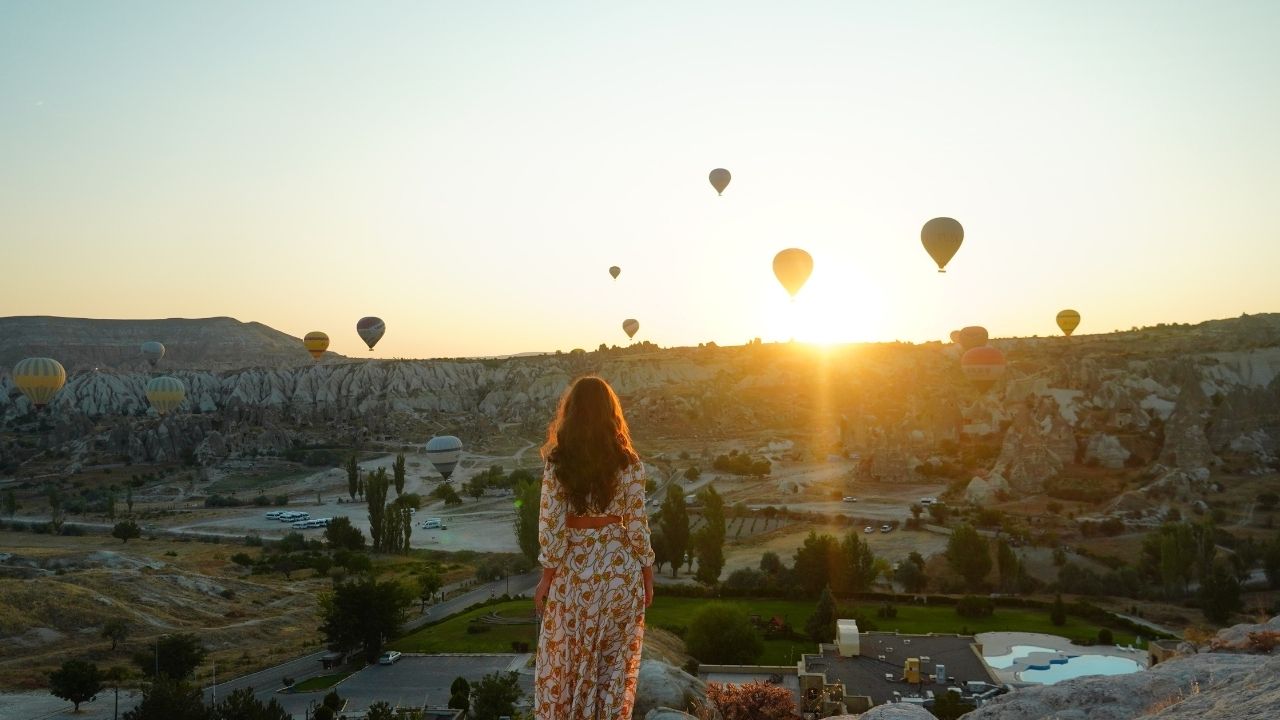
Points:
(983, 366)
(630, 327)
(793, 267)
(941, 237)
(39, 379)
(615, 271)
(443, 451)
(719, 180)
(955, 337)
(152, 351)
(316, 343)
(973, 336)
(165, 394)
(371, 330)
(1068, 321)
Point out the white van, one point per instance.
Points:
(433, 524)
(274, 514)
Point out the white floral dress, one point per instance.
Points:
(593, 623)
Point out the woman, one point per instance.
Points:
(597, 575)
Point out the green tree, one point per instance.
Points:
(710, 543)
(397, 472)
(324, 712)
(855, 566)
(353, 476)
(721, 634)
(495, 696)
(821, 625)
(116, 630)
(406, 527)
(771, 564)
(174, 657)
(168, 699)
(76, 681)
(1219, 594)
(661, 554)
(128, 497)
(674, 522)
(475, 487)
(363, 613)
(1008, 565)
(111, 504)
(1058, 613)
(126, 530)
(242, 705)
(939, 513)
(342, 535)
(693, 473)
(445, 492)
(380, 710)
(333, 700)
(813, 562)
(528, 498)
(460, 694)
(375, 493)
(968, 554)
(10, 503)
(916, 510)
(911, 576)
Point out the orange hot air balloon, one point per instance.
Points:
(1068, 321)
(941, 238)
(316, 343)
(793, 267)
(983, 366)
(973, 336)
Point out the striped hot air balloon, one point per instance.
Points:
(165, 394)
(1068, 321)
(39, 379)
(152, 351)
(371, 330)
(630, 327)
(316, 343)
(443, 451)
(983, 366)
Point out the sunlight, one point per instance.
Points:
(828, 312)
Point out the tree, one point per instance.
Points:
(1219, 594)
(661, 554)
(380, 710)
(323, 712)
(76, 681)
(428, 585)
(353, 476)
(950, 706)
(128, 497)
(126, 530)
(495, 696)
(855, 566)
(813, 561)
(445, 492)
(939, 513)
(770, 563)
(968, 554)
(111, 504)
(916, 510)
(10, 503)
(821, 625)
(911, 576)
(363, 613)
(342, 535)
(397, 472)
(1008, 565)
(1058, 613)
(722, 634)
(174, 657)
(116, 630)
(710, 543)
(460, 694)
(168, 699)
(528, 499)
(674, 522)
(242, 705)
(475, 487)
(333, 700)
(375, 493)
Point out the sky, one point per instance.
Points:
(469, 171)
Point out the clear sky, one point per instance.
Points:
(468, 171)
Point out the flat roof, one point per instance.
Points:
(864, 674)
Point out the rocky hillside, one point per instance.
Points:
(82, 344)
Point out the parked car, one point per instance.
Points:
(274, 514)
(868, 529)
(849, 498)
(886, 528)
(928, 500)
(389, 657)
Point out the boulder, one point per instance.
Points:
(1105, 450)
(665, 686)
(663, 713)
(981, 491)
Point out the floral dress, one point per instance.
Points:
(593, 622)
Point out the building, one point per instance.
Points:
(861, 670)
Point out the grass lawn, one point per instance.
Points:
(323, 682)
(451, 635)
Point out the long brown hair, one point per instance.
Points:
(589, 444)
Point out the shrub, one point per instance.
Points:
(1105, 637)
(753, 701)
(972, 606)
(722, 634)
(477, 628)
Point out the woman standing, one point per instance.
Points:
(597, 575)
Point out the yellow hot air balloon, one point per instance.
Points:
(316, 342)
(719, 180)
(1068, 321)
(941, 238)
(165, 394)
(39, 379)
(793, 267)
(630, 327)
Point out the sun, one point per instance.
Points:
(826, 314)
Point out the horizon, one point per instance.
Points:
(469, 177)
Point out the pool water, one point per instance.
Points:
(1078, 666)
(1016, 653)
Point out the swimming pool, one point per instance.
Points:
(1016, 653)
(1060, 669)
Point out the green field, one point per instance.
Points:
(452, 636)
